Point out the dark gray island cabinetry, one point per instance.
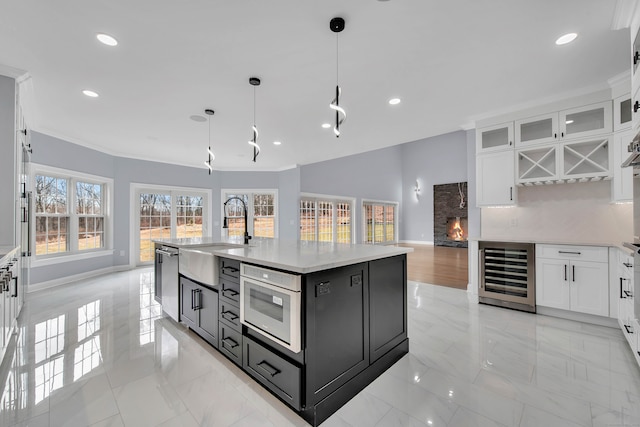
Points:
(313, 323)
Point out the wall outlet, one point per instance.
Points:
(122, 253)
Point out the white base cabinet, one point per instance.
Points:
(574, 278)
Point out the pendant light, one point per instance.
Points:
(337, 25)
(211, 157)
(254, 81)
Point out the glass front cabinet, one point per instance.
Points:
(622, 113)
(494, 138)
(585, 121)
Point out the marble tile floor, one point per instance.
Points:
(99, 353)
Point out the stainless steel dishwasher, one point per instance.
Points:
(507, 276)
(166, 284)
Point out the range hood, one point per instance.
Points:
(634, 149)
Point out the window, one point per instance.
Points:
(166, 213)
(261, 210)
(380, 222)
(326, 219)
(71, 212)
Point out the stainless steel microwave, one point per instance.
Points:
(270, 304)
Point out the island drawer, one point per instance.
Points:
(272, 371)
(231, 343)
(230, 290)
(229, 269)
(230, 314)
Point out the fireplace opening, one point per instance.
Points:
(457, 229)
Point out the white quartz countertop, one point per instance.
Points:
(4, 250)
(292, 255)
(550, 242)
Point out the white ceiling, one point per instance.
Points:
(450, 62)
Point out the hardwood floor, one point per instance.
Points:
(438, 265)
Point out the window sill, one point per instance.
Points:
(35, 262)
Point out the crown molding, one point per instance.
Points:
(623, 14)
(14, 73)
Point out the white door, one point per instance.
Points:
(552, 283)
(590, 287)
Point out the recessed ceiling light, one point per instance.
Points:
(567, 38)
(394, 101)
(107, 39)
(90, 93)
(277, 142)
(326, 125)
(197, 118)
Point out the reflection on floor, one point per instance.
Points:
(99, 353)
(439, 265)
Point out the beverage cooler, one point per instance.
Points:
(507, 276)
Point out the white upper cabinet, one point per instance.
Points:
(622, 113)
(584, 121)
(537, 130)
(589, 120)
(495, 179)
(494, 138)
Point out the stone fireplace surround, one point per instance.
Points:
(446, 205)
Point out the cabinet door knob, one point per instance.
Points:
(636, 106)
(636, 57)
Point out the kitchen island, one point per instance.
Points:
(314, 347)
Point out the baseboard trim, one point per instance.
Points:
(40, 286)
(579, 317)
(416, 242)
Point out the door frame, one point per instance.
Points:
(135, 189)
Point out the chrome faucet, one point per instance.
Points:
(226, 225)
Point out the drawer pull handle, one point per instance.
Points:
(229, 315)
(230, 343)
(268, 368)
(569, 252)
(627, 264)
(621, 291)
(230, 291)
(231, 269)
(627, 328)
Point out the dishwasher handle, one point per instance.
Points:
(167, 253)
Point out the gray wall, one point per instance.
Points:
(373, 175)
(438, 160)
(7, 159)
(387, 174)
(124, 171)
(289, 196)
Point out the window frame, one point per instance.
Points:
(72, 177)
(334, 200)
(135, 189)
(225, 193)
(396, 220)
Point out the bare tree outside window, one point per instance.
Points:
(52, 217)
